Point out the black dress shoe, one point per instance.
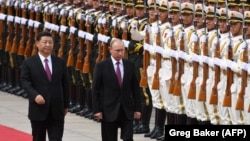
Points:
(151, 133)
(24, 95)
(6, 88)
(162, 138)
(158, 133)
(75, 109)
(20, 92)
(141, 129)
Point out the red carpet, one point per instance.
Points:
(11, 134)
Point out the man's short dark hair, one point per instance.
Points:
(42, 34)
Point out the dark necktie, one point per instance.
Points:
(118, 73)
(47, 69)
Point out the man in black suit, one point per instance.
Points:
(47, 90)
(116, 99)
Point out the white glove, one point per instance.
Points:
(125, 43)
(169, 33)
(188, 58)
(159, 49)
(211, 62)
(203, 38)
(146, 46)
(196, 57)
(194, 37)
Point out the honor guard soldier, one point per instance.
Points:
(181, 85)
(224, 41)
(87, 69)
(9, 41)
(212, 14)
(14, 48)
(158, 29)
(170, 46)
(3, 37)
(64, 30)
(242, 97)
(134, 50)
(75, 80)
(247, 97)
(240, 53)
(232, 54)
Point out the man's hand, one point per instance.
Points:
(66, 111)
(98, 116)
(137, 115)
(39, 100)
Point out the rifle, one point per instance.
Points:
(125, 31)
(228, 94)
(70, 60)
(105, 46)
(100, 43)
(30, 41)
(192, 88)
(156, 81)
(144, 75)
(217, 71)
(173, 60)
(36, 28)
(15, 43)
(79, 60)
(63, 35)
(204, 47)
(214, 93)
(177, 83)
(2, 23)
(240, 99)
(86, 64)
(10, 20)
(23, 30)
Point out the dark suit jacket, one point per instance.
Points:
(56, 93)
(108, 96)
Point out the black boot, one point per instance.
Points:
(143, 127)
(161, 123)
(156, 126)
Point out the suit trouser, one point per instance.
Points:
(54, 128)
(109, 129)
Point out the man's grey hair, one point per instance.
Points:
(115, 40)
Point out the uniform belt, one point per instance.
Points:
(133, 52)
(165, 58)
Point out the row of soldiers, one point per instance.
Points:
(191, 56)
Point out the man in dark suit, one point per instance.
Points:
(116, 99)
(46, 84)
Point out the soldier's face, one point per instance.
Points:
(95, 4)
(119, 9)
(139, 12)
(223, 26)
(163, 16)
(235, 28)
(210, 23)
(175, 17)
(241, 9)
(130, 11)
(233, 8)
(199, 20)
(151, 13)
(187, 19)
